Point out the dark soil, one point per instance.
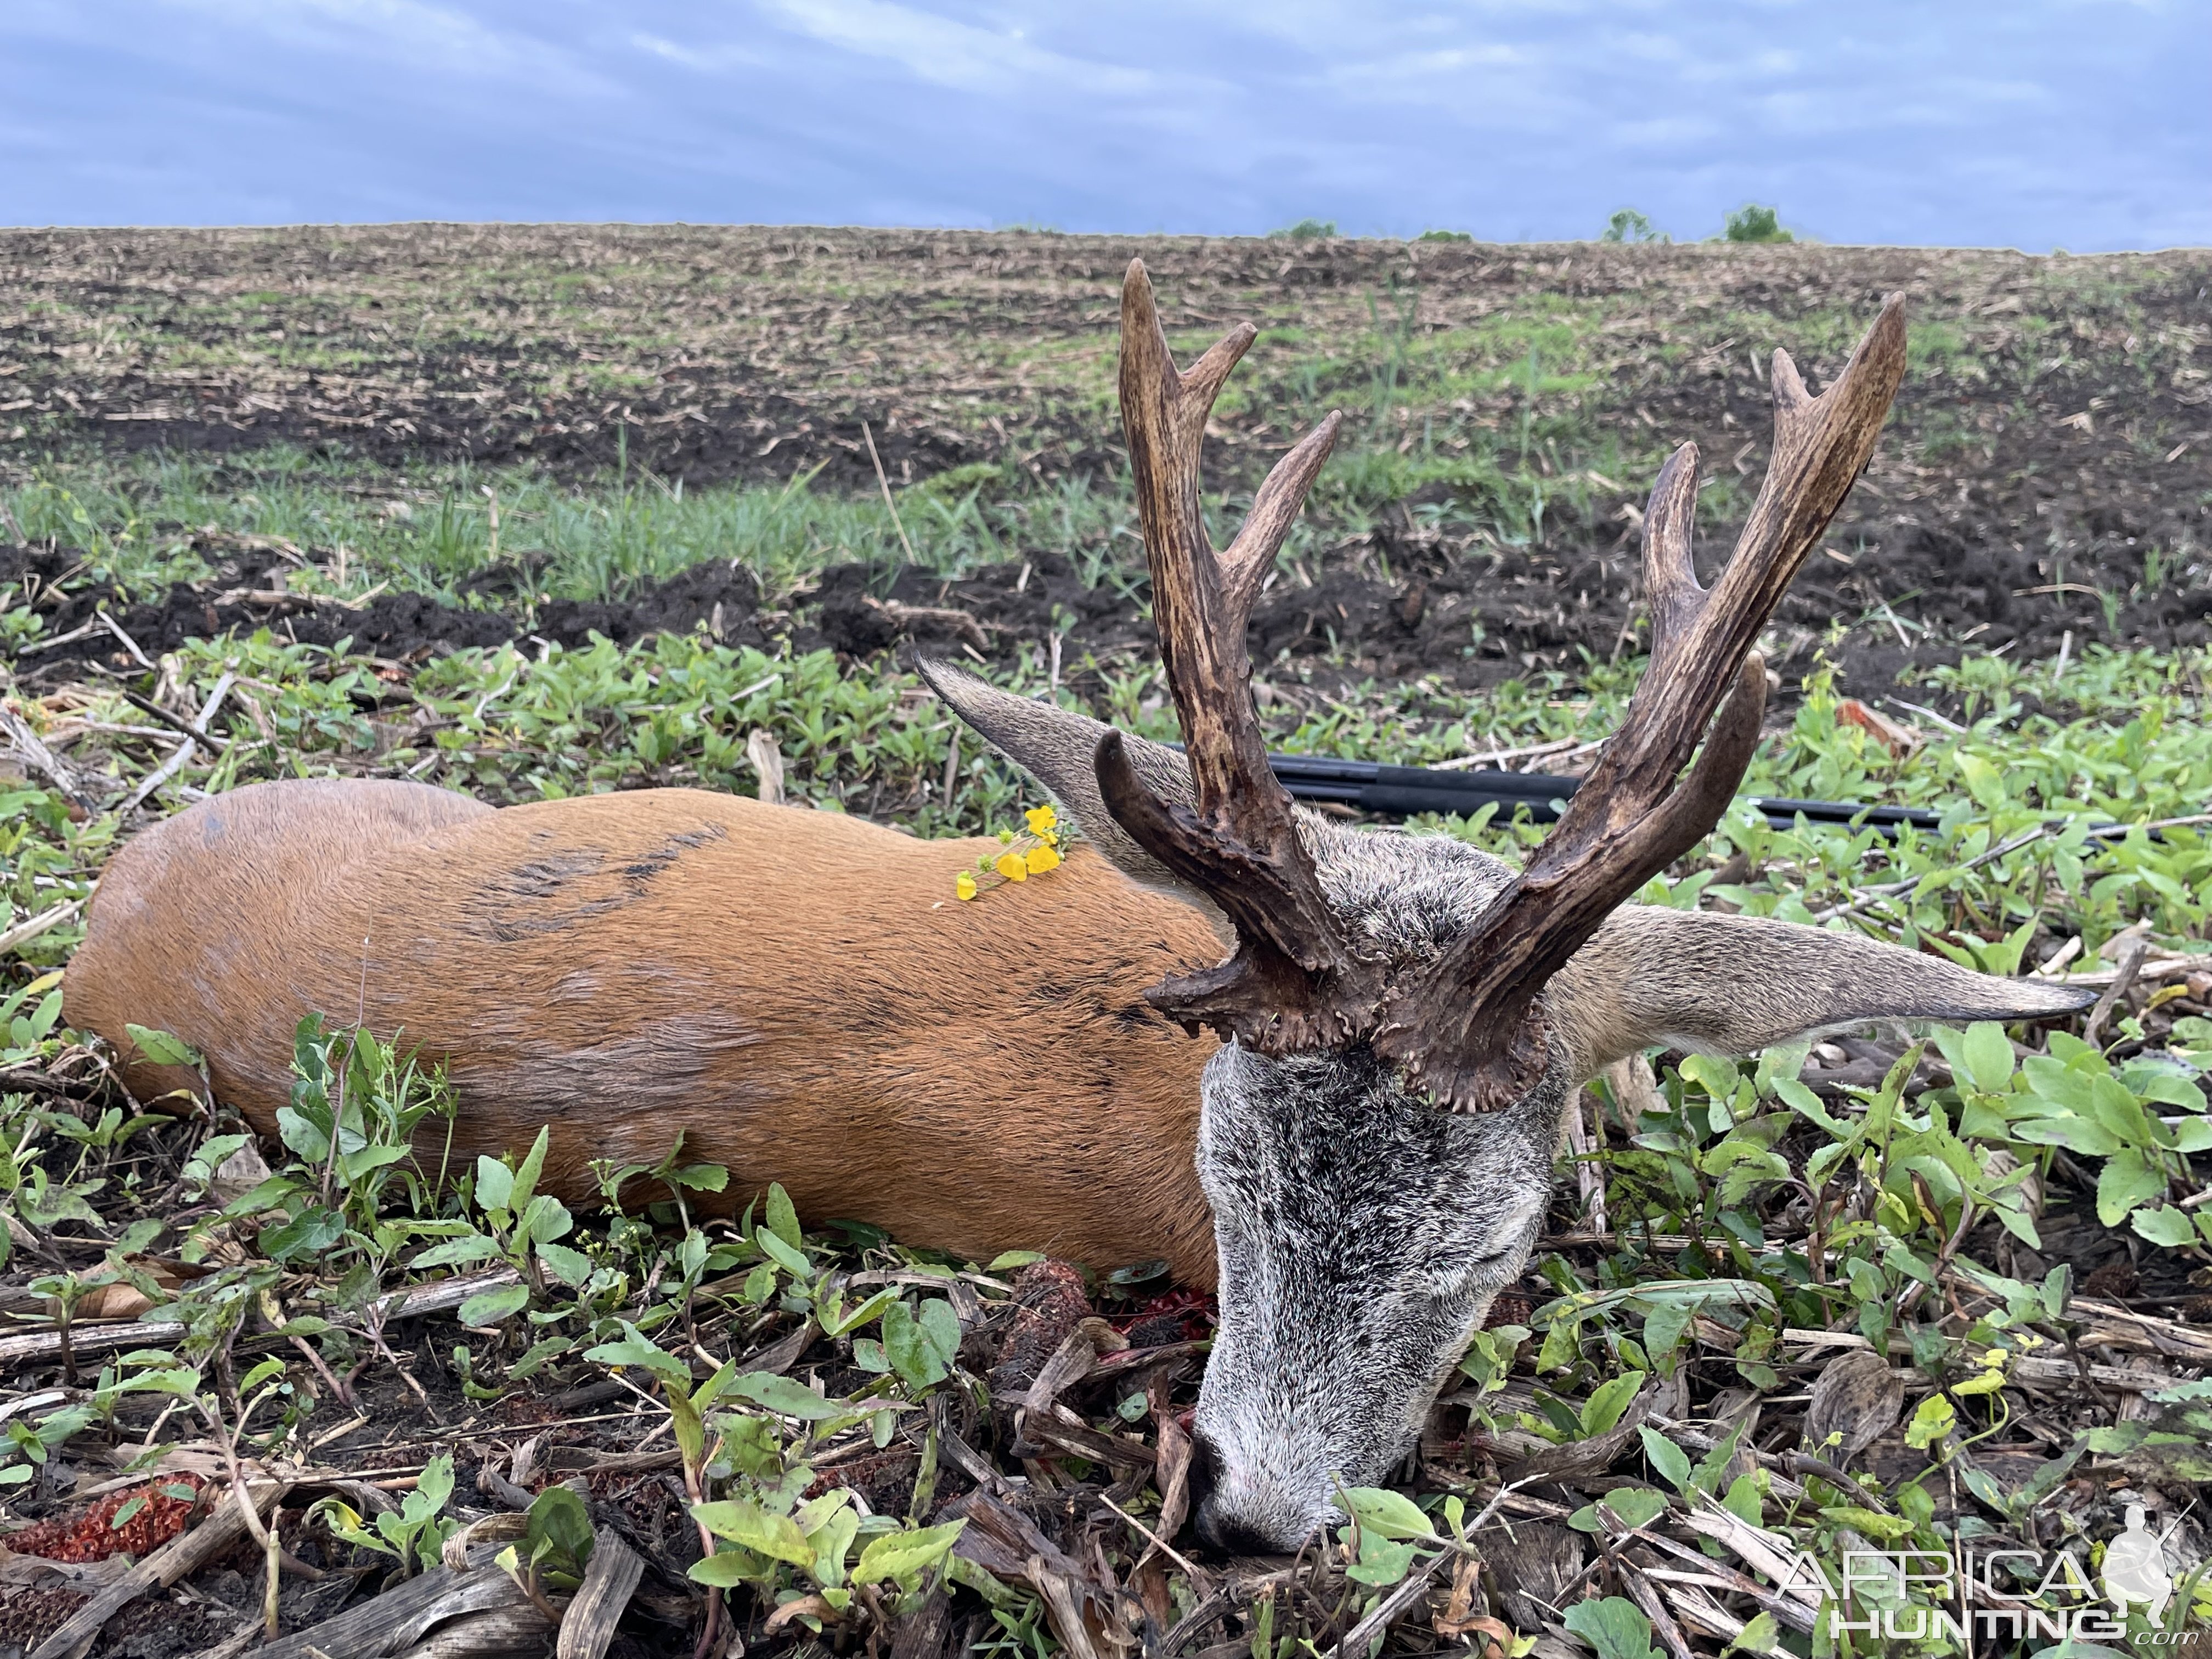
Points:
(1403, 601)
(248, 592)
(2047, 471)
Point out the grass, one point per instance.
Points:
(433, 529)
(1726, 1234)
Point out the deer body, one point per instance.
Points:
(797, 992)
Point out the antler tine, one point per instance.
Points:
(1670, 579)
(1202, 600)
(1467, 1027)
(1241, 846)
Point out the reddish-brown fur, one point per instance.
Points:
(799, 993)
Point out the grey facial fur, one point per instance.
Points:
(1362, 1233)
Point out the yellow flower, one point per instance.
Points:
(1041, 859)
(1041, 820)
(1012, 867)
(965, 885)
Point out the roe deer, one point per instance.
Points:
(1359, 1155)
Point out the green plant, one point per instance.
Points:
(522, 1225)
(2076, 1098)
(1629, 225)
(556, 1548)
(729, 1436)
(412, 1534)
(1753, 223)
(355, 1107)
(1385, 1528)
(1307, 230)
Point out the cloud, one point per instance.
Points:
(948, 53)
(2031, 122)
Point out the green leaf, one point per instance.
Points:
(1670, 1459)
(215, 1151)
(940, 1329)
(1614, 1625)
(571, 1267)
(1988, 1054)
(1380, 1561)
(690, 1431)
(1005, 1261)
(785, 1256)
(2070, 1130)
(908, 1348)
(1664, 1327)
(545, 1220)
(1385, 1513)
(538, 1356)
(356, 1165)
(775, 1535)
(782, 1219)
(635, 1348)
(2165, 1225)
(831, 1537)
(2128, 1179)
(301, 1135)
(787, 1398)
(525, 1177)
(558, 1524)
(1609, 1402)
(852, 1318)
(1871, 1523)
(314, 1231)
(728, 1569)
(1936, 1417)
(1635, 1506)
(160, 1048)
(495, 1184)
(903, 1557)
(1806, 1104)
(1744, 1500)
(260, 1373)
(457, 1253)
(492, 1307)
(432, 1487)
(1761, 1635)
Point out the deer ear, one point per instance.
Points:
(1735, 984)
(1058, 748)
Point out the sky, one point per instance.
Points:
(2085, 125)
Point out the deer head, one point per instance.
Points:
(1405, 1019)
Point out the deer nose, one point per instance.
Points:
(1227, 1534)
(1204, 1470)
(1219, 1526)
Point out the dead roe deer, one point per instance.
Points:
(1358, 1149)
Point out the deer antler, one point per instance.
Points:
(1470, 1028)
(1295, 982)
